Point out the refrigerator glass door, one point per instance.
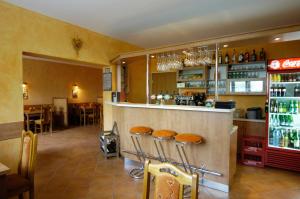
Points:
(284, 117)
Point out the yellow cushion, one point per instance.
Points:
(25, 156)
(189, 138)
(140, 130)
(164, 134)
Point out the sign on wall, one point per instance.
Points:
(284, 64)
(107, 80)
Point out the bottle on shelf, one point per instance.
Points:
(297, 140)
(262, 54)
(253, 56)
(241, 57)
(233, 58)
(226, 59)
(246, 56)
(220, 58)
(297, 91)
(286, 139)
(266, 106)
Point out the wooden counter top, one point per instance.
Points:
(171, 107)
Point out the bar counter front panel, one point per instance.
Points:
(217, 153)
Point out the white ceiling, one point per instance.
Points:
(152, 23)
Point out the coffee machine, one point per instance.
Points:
(195, 99)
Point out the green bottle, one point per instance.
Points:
(286, 139)
(296, 107)
(291, 108)
(297, 140)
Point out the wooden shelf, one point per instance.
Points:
(248, 63)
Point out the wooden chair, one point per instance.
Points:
(45, 119)
(23, 181)
(169, 181)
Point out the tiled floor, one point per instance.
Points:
(69, 166)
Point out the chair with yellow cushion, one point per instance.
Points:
(136, 133)
(160, 136)
(23, 181)
(169, 181)
(183, 139)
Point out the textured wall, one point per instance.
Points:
(46, 80)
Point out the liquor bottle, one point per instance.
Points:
(246, 56)
(226, 59)
(233, 58)
(294, 77)
(253, 56)
(220, 58)
(262, 54)
(241, 57)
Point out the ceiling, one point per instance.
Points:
(153, 23)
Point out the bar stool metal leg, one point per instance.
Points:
(138, 172)
(158, 152)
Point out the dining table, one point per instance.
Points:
(3, 172)
(31, 113)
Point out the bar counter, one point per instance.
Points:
(217, 153)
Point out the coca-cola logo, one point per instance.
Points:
(291, 64)
(275, 64)
(284, 64)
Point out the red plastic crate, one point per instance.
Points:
(253, 148)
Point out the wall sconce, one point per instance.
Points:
(75, 90)
(25, 91)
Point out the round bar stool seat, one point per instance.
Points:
(136, 133)
(141, 130)
(189, 138)
(164, 134)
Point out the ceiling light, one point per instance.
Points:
(225, 45)
(277, 39)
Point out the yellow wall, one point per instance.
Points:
(25, 31)
(46, 80)
(137, 80)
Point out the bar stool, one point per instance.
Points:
(160, 136)
(181, 140)
(136, 133)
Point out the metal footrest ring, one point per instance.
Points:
(137, 173)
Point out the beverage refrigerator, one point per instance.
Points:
(283, 117)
